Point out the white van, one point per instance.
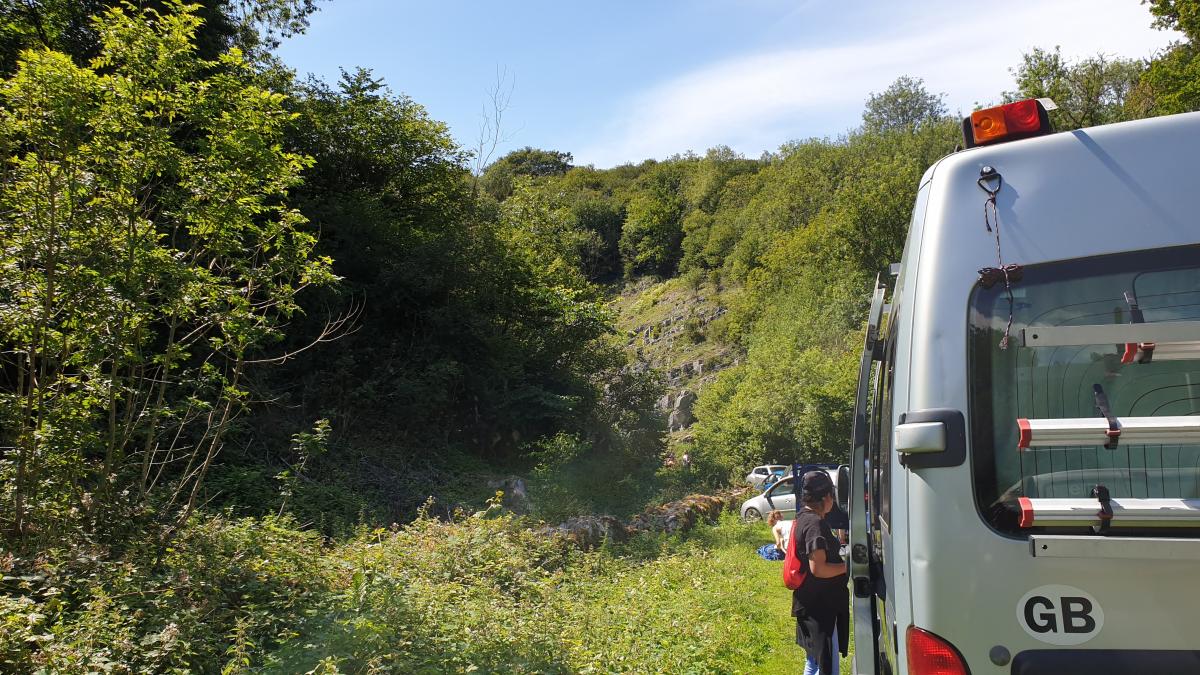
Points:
(1026, 454)
(759, 474)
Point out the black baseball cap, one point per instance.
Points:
(816, 485)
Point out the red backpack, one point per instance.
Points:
(795, 568)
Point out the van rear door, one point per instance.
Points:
(866, 634)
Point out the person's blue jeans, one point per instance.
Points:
(811, 667)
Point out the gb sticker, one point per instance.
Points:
(1060, 615)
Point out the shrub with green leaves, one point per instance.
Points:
(147, 259)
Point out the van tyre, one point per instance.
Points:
(752, 515)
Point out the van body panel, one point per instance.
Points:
(1070, 195)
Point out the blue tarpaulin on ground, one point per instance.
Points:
(770, 552)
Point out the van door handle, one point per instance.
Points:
(919, 437)
(935, 437)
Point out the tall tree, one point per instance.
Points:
(1171, 83)
(254, 26)
(903, 105)
(653, 232)
(499, 178)
(476, 320)
(1180, 15)
(147, 261)
(1088, 92)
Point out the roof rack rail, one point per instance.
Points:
(1126, 512)
(1082, 431)
(1115, 333)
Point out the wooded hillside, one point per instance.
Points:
(242, 310)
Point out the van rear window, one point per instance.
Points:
(1052, 377)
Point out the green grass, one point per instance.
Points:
(703, 602)
(772, 622)
(707, 603)
(481, 594)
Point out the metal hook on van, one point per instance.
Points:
(1105, 514)
(990, 181)
(1102, 406)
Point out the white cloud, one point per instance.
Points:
(753, 103)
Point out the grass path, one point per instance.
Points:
(764, 586)
(706, 603)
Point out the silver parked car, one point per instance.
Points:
(781, 496)
(778, 496)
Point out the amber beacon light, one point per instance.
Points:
(1008, 122)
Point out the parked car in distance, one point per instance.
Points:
(778, 496)
(759, 474)
(781, 496)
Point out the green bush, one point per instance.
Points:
(221, 591)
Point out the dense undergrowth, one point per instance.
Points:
(476, 594)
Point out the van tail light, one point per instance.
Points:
(1007, 122)
(929, 654)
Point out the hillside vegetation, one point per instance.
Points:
(248, 321)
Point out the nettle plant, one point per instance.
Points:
(147, 258)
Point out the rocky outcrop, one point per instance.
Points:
(681, 413)
(669, 333)
(588, 532)
(676, 517)
(690, 369)
(673, 326)
(679, 516)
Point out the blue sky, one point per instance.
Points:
(621, 81)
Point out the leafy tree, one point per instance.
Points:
(603, 217)
(707, 180)
(786, 193)
(1180, 15)
(805, 237)
(650, 240)
(537, 222)
(498, 179)
(905, 104)
(148, 259)
(793, 396)
(1088, 92)
(477, 323)
(1171, 83)
(254, 26)
(580, 230)
(537, 163)
(598, 200)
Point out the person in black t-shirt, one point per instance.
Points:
(822, 603)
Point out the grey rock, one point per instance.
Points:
(681, 416)
(590, 531)
(516, 498)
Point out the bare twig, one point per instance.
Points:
(491, 134)
(334, 329)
